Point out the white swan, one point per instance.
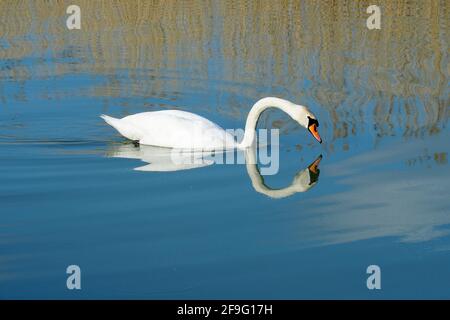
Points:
(185, 130)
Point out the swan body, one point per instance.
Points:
(186, 130)
(173, 129)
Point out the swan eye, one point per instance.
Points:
(312, 121)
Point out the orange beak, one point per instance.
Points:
(313, 129)
(314, 167)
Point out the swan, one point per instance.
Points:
(186, 130)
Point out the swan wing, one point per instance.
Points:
(178, 129)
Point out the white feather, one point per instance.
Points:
(185, 130)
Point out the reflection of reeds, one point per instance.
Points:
(243, 46)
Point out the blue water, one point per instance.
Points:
(67, 197)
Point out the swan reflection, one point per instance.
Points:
(303, 181)
(159, 159)
(165, 160)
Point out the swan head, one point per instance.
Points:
(307, 178)
(314, 171)
(307, 120)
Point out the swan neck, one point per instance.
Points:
(254, 114)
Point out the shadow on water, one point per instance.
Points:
(166, 160)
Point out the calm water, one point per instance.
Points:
(69, 194)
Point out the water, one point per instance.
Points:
(69, 194)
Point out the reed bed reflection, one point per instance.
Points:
(393, 81)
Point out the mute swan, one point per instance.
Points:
(185, 130)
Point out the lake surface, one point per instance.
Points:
(69, 194)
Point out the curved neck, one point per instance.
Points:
(254, 114)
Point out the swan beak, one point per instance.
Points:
(314, 171)
(314, 167)
(313, 129)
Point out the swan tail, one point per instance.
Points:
(109, 120)
(125, 129)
